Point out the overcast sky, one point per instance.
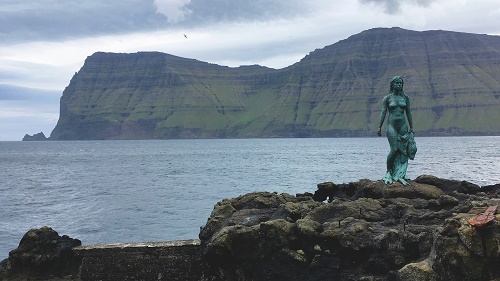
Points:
(44, 42)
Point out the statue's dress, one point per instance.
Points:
(406, 150)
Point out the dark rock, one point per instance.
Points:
(42, 253)
(325, 190)
(492, 191)
(449, 186)
(367, 231)
(36, 137)
(414, 190)
(331, 190)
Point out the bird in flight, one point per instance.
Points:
(185, 35)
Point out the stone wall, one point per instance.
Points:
(171, 260)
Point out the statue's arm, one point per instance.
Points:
(408, 114)
(382, 115)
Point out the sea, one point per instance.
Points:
(158, 190)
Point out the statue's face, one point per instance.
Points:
(398, 85)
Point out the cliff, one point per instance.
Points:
(452, 78)
(365, 231)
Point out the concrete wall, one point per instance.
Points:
(173, 260)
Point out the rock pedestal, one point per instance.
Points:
(366, 231)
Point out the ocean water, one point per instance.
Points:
(157, 190)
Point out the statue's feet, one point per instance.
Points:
(403, 181)
(388, 178)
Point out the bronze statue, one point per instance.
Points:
(401, 139)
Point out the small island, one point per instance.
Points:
(36, 137)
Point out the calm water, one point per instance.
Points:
(132, 191)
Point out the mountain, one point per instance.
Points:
(452, 79)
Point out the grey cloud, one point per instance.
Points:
(394, 6)
(30, 111)
(203, 11)
(260, 52)
(59, 20)
(31, 74)
(30, 95)
(53, 20)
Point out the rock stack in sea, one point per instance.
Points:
(36, 137)
(364, 230)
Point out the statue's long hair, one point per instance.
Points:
(393, 80)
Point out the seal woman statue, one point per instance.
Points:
(400, 137)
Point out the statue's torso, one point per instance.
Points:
(396, 104)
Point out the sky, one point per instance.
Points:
(44, 42)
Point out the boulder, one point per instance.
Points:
(41, 254)
(449, 186)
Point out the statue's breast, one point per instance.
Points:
(397, 102)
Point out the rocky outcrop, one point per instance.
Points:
(451, 78)
(36, 137)
(366, 231)
(42, 254)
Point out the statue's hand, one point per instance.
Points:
(411, 129)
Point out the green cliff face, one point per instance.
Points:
(452, 79)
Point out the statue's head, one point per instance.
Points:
(394, 80)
